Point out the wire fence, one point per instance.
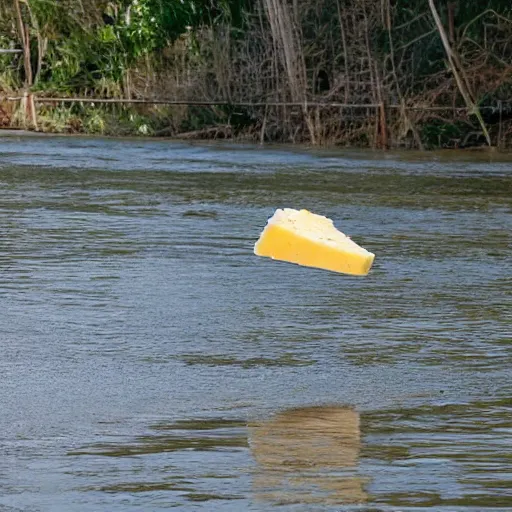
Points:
(504, 107)
(501, 111)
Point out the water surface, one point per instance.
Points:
(150, 361)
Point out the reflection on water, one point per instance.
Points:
(454, 454)
(308, 455)
(157, 461)
(181, 438)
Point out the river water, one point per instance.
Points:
(149, 361)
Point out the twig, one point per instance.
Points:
(487, 11)
(416, 39)
(453, 60)
(410, 22)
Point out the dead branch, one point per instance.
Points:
(457, 69)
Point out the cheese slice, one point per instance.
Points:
(305, 238)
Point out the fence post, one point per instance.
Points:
(24, 108)
(383, 126)
(28, 108)
(500, 106)
(263, 126)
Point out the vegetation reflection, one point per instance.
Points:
(308, 455)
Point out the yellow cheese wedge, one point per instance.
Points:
(305, 238)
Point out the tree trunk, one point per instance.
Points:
(25, 41)
(287, 38)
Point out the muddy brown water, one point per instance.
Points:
(149, 361)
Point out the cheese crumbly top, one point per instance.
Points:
(315, 227)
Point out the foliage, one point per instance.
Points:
(253, 51)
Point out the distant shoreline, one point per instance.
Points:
(13, 132)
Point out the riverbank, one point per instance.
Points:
(364, 75)
(339, 125)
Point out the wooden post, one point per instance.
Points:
(264, 126)
(376, 128)
(28, 107)
(32, 111)
(383, 126)
(24, 108)
(500, 103)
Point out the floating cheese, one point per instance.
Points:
(305, 238)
